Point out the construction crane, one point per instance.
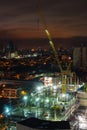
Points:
(64, 73)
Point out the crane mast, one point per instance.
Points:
(63, 73)
(58, 62)
(53, 48)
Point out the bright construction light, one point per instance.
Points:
(59, 82)
(63, 95)
(7, 110)
(23, 92)
(54, 87)
(39, 88)
(47, 100)
(25, 97)
(37, 99)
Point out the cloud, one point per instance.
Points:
(63, 17)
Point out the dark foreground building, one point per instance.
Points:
(37, 124)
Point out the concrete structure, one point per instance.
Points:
(37, 124)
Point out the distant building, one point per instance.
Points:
(10, 92)
(37, 124)
(11, 50)
(80, 57)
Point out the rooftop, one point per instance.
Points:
(44, 124)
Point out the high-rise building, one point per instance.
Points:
(84, 56)
(80, 56)
(11, 50)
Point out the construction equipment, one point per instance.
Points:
(64, 73)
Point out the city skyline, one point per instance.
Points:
(64, 19)
(44, 43)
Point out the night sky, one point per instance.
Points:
(19, 19)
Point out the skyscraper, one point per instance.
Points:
(80, 57)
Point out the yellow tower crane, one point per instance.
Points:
(64, 73)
